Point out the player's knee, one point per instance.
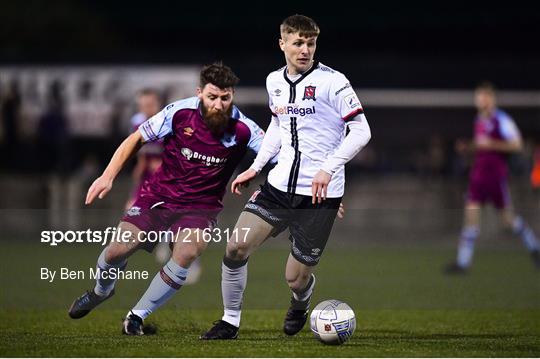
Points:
(508, 222)
(508, 227)
(120, 251)
(187, 255)
(116, 253)
(237, 250)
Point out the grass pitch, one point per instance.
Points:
(405, 306)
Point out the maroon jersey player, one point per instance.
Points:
(204, 139)
(495, 137)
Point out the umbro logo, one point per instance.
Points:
(277, 92)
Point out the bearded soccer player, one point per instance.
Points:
(204, 139)
(495, 137)
(148, 161)
(312, 106)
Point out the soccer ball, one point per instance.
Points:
(332, 322)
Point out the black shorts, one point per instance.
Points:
(309, 224)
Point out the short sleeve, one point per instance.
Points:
(256, 133)
(343, 98)
(509, 130)
(159, 125)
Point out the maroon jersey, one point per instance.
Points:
(196, 164)
(500, 127)
(488, 178)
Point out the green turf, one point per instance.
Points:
(386, 333)
(405, 307)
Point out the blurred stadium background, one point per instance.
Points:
(414, 68)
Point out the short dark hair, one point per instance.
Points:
(149, 91)
(486, 86)
(305, 26)
(218, 74)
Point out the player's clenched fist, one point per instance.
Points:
(243, 180)
(100, 188)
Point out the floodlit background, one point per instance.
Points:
(414, 68)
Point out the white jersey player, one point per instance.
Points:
(312, 105)
(315, 106)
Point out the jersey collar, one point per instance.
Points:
(311, 69)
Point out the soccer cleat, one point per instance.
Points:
(455, 269)
(296, 316)
(294, 321)
(85, 303)
(132, 325)
(536, 258)
(221, 330)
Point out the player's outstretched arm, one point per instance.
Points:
(103, 184)
(242, 180)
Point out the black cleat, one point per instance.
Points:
(85, 303)
(221, 330)
(296, 316)
(294, 321)
(132, 325)
(535, 255)
(455, 269)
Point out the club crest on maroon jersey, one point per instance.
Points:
(309, 93)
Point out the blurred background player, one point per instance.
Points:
(495, 137)
(149, 156)
(148, 161)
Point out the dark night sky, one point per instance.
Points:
(392, 43)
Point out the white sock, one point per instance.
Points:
(466, 246)
(306, 293)
(104, 286)
(163, 286)
(303, 298)
(233, 283)
(526, 233)
(232, 316)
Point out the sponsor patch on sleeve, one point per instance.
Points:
(352, 101)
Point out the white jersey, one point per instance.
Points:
(311, 111)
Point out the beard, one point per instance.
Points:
(217, 121)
